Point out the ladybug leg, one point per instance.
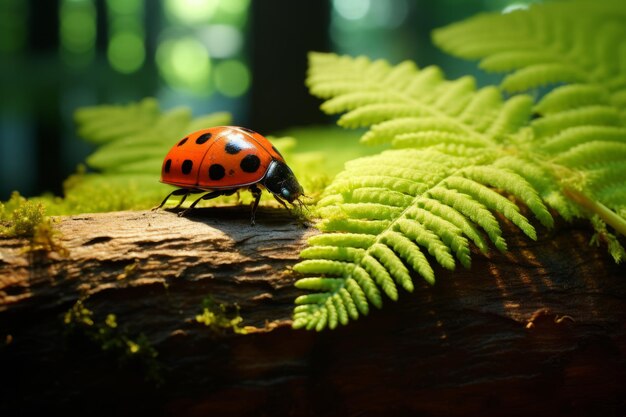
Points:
(256, 193)
(207, 196)
(182, 200)
(180, 191)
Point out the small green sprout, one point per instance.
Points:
(218, 318)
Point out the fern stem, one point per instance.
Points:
(606, 214)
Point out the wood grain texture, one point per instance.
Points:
(539, 330)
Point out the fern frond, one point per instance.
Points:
(405, 201)
(107, 123)
(462, 161)
(137, 135)
(549, 44)
(132, 140)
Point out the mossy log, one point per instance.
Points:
(539, 330)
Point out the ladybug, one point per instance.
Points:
(224, 159)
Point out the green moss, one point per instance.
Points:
(220, 318)
(23, 218)
(110, 337)
(78, 316)
(129, 270)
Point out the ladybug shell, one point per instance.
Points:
(220, 157)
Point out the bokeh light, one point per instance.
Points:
(201, 49)
(352, 9)
(77, 31)
(236, 7)
(514, 6)
(232, 78)
(185, 64)
(191, 11)
(373, 28)
(126, 6)
(222, 41)
(126, 49)
(388, 14)
(126, 52)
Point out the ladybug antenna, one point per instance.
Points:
(301, 204)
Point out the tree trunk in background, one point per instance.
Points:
(281, 33)
(539, 330)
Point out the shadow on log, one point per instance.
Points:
(539, 330)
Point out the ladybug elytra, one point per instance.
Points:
(224, 159)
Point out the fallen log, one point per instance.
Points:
(150, 313)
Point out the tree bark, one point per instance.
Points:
(538, 330)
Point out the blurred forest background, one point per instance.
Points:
(247, 57)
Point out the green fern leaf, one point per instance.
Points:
(462, 161)
(132, 141)
(107, 123)
(573, 42)
(144, 134)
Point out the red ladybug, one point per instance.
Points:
(223, 159)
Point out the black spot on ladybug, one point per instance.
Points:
(216, 172)
(245, 129)
(250, 163)
(203, 138)
(187, 165)
(276, 150)
(166, 167)
(233, 147)
(182, 142)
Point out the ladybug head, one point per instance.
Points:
(281, 181)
